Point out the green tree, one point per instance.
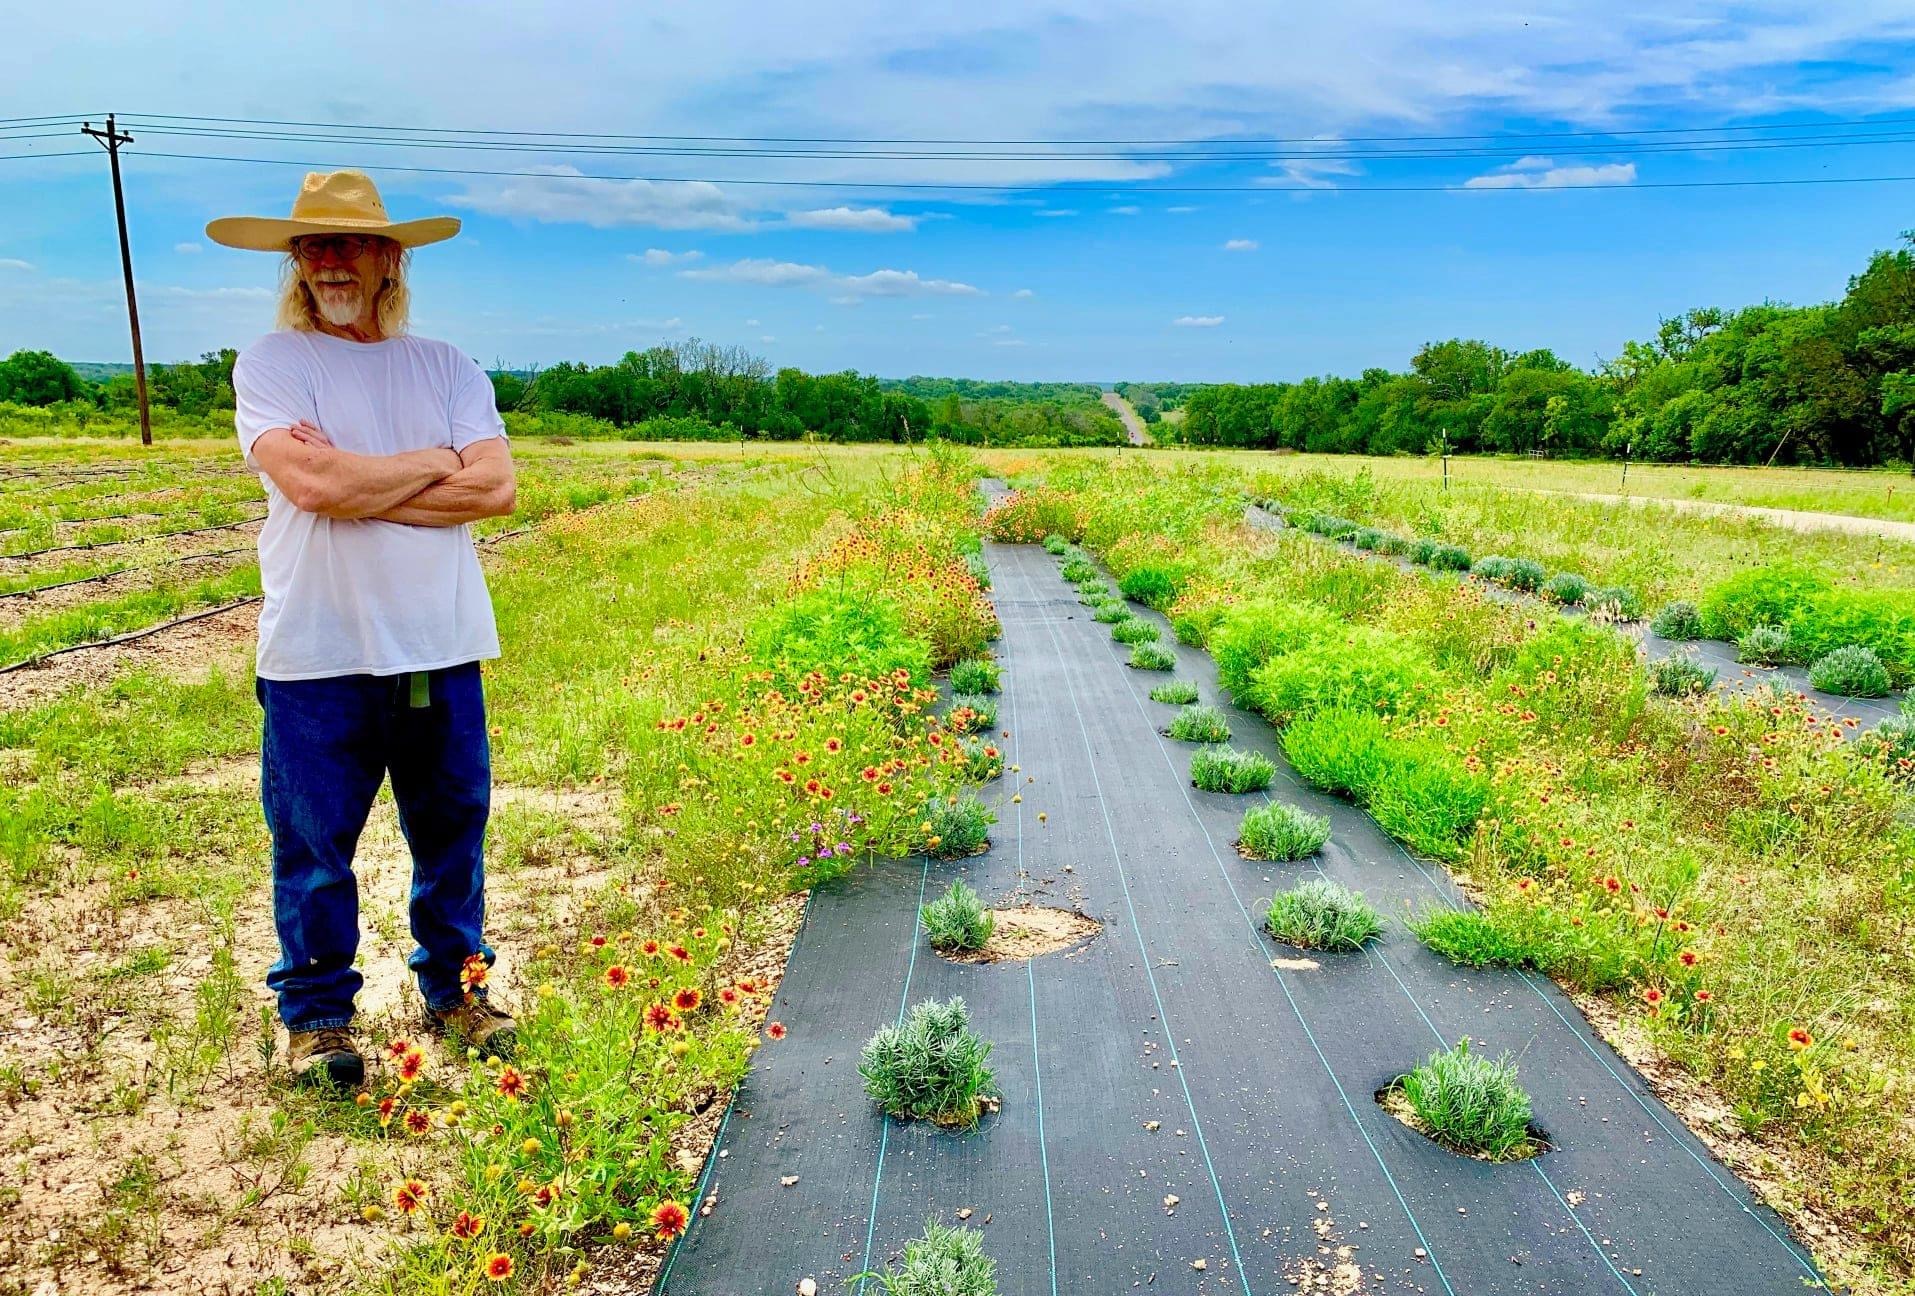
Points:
(39, 378)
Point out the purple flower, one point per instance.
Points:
(803, 860)
(844, 848)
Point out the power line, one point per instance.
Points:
(1043, 186)
(826, 139)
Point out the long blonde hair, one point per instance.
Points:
(392, 305)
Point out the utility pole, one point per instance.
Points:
(110, 139)
(1446, 459)
(1627, 447)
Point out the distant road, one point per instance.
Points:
(1132, 424)
(1793, 519)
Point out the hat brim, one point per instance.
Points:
(276, 233)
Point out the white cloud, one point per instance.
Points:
(1312, 172)
(921, 315)
(997, 329)
(1126, 210)
(863, 220)
(1007, 342)
(557, 194)
(751, 323)
(1240, 245)
(1555, 177)
(212, 294)
(766, 337)
(14, 263)
(660, 257)
(848, 290)
(1023, 294)
(1179, 210)
(1197, 321)
(1056, 211)
(188, 248)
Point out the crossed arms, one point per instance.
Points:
(439, 487)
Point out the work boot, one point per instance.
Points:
(325, 1057)
(475, 1020)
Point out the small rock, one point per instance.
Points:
(964, 1212)
(1153, 1126)
(1421, 1254)
(787, 1181)
(1170, 1201)
(1200, 1265)
(807, 1287)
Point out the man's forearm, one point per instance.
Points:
(475, 492)
(350, 486)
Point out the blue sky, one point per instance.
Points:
(1311, 266)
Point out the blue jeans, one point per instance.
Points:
(327, 746)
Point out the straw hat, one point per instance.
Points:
(330, 202)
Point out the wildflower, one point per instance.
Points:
(658, 1017)
(409, 1196)
(621, 1231)
(398, 1049)
(728, 996)
(412, 1065)
(528, 1228)
(1800, 1039)
(499, 1267)
(748, 986)
(1652, 996)
(418, 1124)
(776, 1030)
(388, 1106)
(1704, 996)
(687, 1000)
(467, 1226)
(669, 1220)
(1525, 884)
(884, 789)
(473, 972)
(1612, 884)
(680, 953)
(511, 1084)
(1689, 958)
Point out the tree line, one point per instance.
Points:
(1826, 384)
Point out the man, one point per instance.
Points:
(376, 449)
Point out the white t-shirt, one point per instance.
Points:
(365, 596)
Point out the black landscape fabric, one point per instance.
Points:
(1182, 1113)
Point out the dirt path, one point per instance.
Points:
(1125, 411)
(1791, 519)
(1187, 1104)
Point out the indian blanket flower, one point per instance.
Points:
(687, 1000)
(467, 1226)
(1652, 996)
(669, 1220)
(412, 1065)
(499, 1267)
(617, 976)
(511, 1084)
(473, 972)
(409, 1196)
(1704, 996)
(398, 1049)
(658, 1017)
(650, 948)
(418, 1124)
(1800, 1039)
(388, 1106)
(776, 1030)
(680, 953)
(1689, 958)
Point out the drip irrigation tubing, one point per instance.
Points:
(108, 544)
(129, 637)
(121, 571)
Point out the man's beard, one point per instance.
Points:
(339, 304)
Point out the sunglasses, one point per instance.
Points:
(345, 246)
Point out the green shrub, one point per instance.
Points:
(1253, 632)
(1395, 545)
(1176, 692)
(1618, 602)
(1680, 674)
(1111, 611)
(1882, 621)
(1425, 798)
(1364, 667)
(1447, 557)
(974, 675)
(1224, 769)
(1472, 938)
(1324, 524)
(1852, 672)
(1134, 630)
(827, 632)
(1566, 588)
(1892, 742)
(1366, 537)
(1678, 620)
(979, 569)
(1321, 914)
(1280, 831)
(945, 1261)
(957, 920)
(1193, 626)
(1150, 656)
(1422, 549)
(1765, 645)
(1470, 1103)
(931, 1067)
(1153, 584)
(1493, 567)
(983, 759)
(1523, 574)
(1093, 591)
(972, 712)
(1056, 544)
(1339, 749)
(960, 825)
(1075, 570)
(1763, 596)
(1200, 724)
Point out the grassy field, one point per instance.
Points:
(655, 758)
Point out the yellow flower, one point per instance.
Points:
(530, 1147)
(621, 1231)
(1757, 1065)
(494, 1172)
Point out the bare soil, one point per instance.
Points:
(188, 652)
(1031, 931)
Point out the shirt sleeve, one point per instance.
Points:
(475, 411)
(269, 391)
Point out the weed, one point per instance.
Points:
(1056, 544)
(1251, 633)
(980, 570)
(1616, 602)
(1154, 585)
(1135, 630)
(1853, 671)
(974, 675)
(1176, 692)
(1200, 724)
(1765, 645)
(1678, 620)
(1321, 914)
(1680, 674)
(946, 1260)
(1150, 656)
(1228, 770)
(957, 920)
(1472, 938)
(1279, 831)
(1364, 668)
(932, 1066)
(1446, 557)
(1339, 749)
(1769, 595)
(956, 825)
(1470, 1103)
(1425, 797)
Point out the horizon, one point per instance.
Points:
(1208, 199)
